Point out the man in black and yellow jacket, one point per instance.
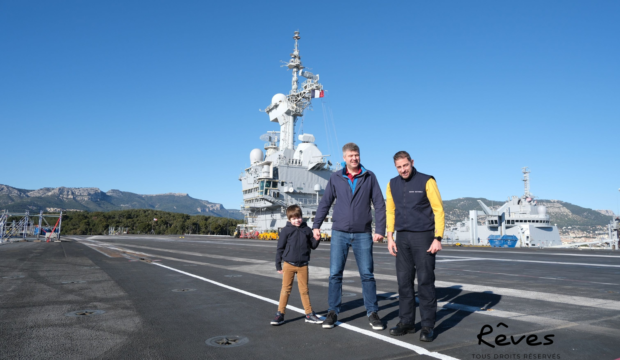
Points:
(414, 209)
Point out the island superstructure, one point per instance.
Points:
(521, 216)
(286, 174)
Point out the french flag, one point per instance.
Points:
(317, 93)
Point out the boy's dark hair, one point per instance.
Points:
(293, 211)
(402, 155)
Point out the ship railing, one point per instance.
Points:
(304, 201)
(274, 200)
(513, 215)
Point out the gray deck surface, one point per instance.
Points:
(570, 294)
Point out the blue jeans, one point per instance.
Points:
(362, 249)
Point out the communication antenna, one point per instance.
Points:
(526, 182)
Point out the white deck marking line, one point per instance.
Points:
(230, 258)
(533, 253)
(534, 261)
(264, 269)
(441, 257)
(94, 247)
(378, 252)
(529, 276)
(417, 349)
(533, 295)
(443, 305)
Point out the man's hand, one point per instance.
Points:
(280, 271)
(435, 247)
(377, 237)
(392, 246)
(317, 234)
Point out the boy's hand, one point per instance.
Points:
(280, 271)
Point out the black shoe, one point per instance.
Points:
(375, 321)
(401, 329)
(330, 320)
(426, 334)
(278, 320)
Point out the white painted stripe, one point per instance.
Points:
(539, 320)
(417, 349)
(537, 261)
(534, 277)
(452, 260)
(319, 272)
(534, 295)
(94, 247)
(531, 253)
(229, 258)
(378, 251)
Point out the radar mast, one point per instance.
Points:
(526, 182)
(285, 109)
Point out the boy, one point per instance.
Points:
(296, 240)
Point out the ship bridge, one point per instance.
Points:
(286, 173)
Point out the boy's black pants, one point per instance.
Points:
(412, 258)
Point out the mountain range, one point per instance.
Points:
(562, 213)
(93, 199)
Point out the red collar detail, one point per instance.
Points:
(351, 176)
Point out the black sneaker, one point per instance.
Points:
(426, 334)
(401, 329)
(330, 320)
(375, 321)
(278, 320)
(313, 319)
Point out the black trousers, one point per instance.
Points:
(412, 258)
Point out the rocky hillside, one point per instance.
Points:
(560, 212)
(93, 199)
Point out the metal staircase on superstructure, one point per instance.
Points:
(3, 220)
(7, 231)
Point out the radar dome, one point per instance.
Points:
(542, 210)
(256, 155)
(278, 98)
(306, 138)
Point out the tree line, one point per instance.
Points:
(142, 221)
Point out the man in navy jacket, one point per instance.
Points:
(355, 189)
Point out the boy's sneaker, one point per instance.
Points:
(375, 321)
(313, 319)
(278, 320)
(330, 320)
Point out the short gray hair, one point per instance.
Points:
(350, 147)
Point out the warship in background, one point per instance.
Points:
(520, 218)
(285, 174)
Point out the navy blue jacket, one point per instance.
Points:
(352, 212)
(294, 244)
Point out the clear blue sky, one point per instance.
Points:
(163, 96)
